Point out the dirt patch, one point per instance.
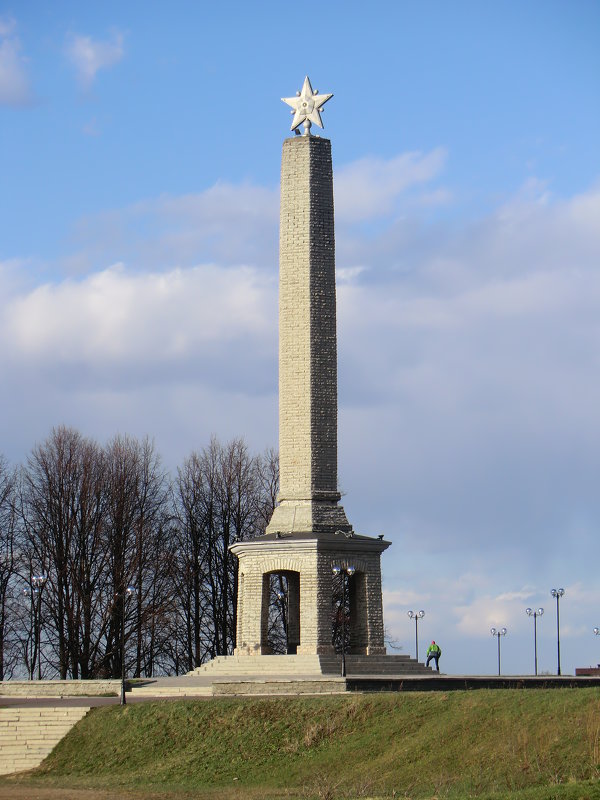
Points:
(22, 790)
(28, 792)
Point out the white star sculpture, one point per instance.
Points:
(306, 107)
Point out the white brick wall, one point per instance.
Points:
(307, 342)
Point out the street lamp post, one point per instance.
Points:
(535, 614)
(30, 643)
(558, 593)
(416, 615)
(34, 592)
(282, 597)
(597, 632)
(37, 583)
(498, 633)
(343, 571)
(129, 591)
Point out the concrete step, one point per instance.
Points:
(278, 664)
(28, 735)
(171, 691)
(307, 665)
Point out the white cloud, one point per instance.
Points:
(225, 224)
(348, 274)
(114, 317)
(177, 355)
(485, 612)
(91, 128)
(370, 187)
(469, 392)
(15, 89)
(7, 26)
(88, 55)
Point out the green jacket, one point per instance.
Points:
(434, 648)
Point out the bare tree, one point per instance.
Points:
(223, 494)
(267, 466)
(277, 620)
(189, 573)
(8, 571)
(63, 513)
(100, 520)
(138, 514)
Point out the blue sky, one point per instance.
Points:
(140, 150)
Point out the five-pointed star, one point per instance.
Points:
(306, 105)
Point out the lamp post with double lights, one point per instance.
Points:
(282, 598)
(416, 615)
(535, 614)
(129, 592)
(597, 632)
(558, 593)
(498, 632)
(30, 648)
(343, 572)
(34, 592)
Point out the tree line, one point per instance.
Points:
(105, 557)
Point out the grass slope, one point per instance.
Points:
(533, 743)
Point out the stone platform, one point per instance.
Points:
(61, 688)
(312, 665)
(297, 685)
(217, 682)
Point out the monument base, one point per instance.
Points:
(307, 561)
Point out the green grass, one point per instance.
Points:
(525, 744)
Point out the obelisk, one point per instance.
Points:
(308, 539)
(308, 494)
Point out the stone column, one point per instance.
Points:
(249, 606)
(308, 493)
(264, 615)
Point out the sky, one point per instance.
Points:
(140, 148)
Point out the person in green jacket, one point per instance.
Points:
(434, 651)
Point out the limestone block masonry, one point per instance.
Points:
(311, 557)
(28, 735)
(308, 496)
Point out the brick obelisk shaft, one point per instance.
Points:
(308, 535)
(308, 497)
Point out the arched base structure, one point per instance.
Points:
(307, 561)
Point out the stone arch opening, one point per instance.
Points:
(280, 617)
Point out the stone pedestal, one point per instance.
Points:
(307, 561)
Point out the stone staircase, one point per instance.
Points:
(310, 665)
(260, 666)
(386, 665)
(28, 735)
